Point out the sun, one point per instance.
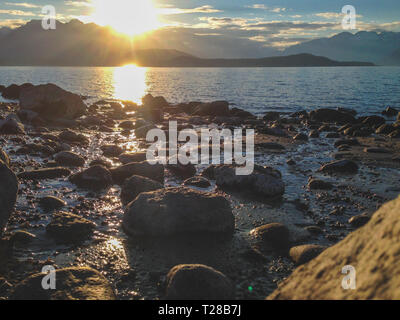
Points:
(132, 17)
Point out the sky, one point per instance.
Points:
(241, 27)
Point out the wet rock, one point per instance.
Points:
(271, 146)
(197, 181)
(271, 237)
(372, 250)
(8, 194)
(71, 136)
(11, 126)
(4, 157)
(66, 227)
(346, 142)
(128, 125)
(332, 135)
(20, 238)
(274, 131)
(135, 185)
(95, 178)
(45, 173)
(331, 116)
(314, 229)
(67, 158)
(182, 171)
(376, 150)
(390, 112)
(315, 184)
(341, 166)
(291, 162)
(144, 169)
(176, 211)
(126, 158)
(271, 116)
(142, 131)
(111, 150)
(385, 129)
(395, 134)
(359, 220)
(13, 91)
(313, 134)
(305, 253)
(263, 180)
(197, 282)
(50, 101)
(154, 102)
(49, 203)
(216, 108)
(300, 137)
(77, 283)
(374, 121)
(101, 162)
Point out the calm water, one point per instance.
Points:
(367, 89)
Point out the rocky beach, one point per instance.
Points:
(78, 194)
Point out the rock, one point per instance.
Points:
(111, 150)
(274, 131)
(385, 129)
(372, 250)
(45, 173)
(376, 150)
(71, 136)
(332, 135)
(305, 253)
(8, 194)
(135, 185)
(271, 116)
(395, 134)
(341, 166)
(346, 142)
(216, 108)
(144, 169)
(66, 227)
(314, 229)
(13, 91)
(154, 102)
(374, 121)
(300, 137)
(271, 146)
(182, 171)
(315, 184)
(67, 158)
(101, 162)
(126, 158)
(271, 237)
(142, 131)
(95, 178)
(128, 125)
(390, 112)
(359, 220)
(50, 101)
(4, 157)
(49, 203)
(313, 134)
(331, 116)
(76, 283)
(11, 126)
(176, 211)
(197, 282)
(263, 181)
(197, 181)
(20, 238)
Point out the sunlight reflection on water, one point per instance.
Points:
(129, 83)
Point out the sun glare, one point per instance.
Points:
(130, 83)
(131, 17)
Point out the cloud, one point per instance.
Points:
(264, 7)
(22, 4)
(168, 10)
(12, 23)
(78, 4)
(17, 13)
(333, 15)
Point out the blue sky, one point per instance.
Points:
(257, 25)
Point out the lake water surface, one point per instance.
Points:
(366, 89)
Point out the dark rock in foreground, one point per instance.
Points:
(49, 203)
(46, 173)
(331, 116)
(69, 228)
(197, 181)
(144, 169)
(305, 253)
(8, 194)
(198, 282)
(341, 166)
(68, 158)
(135, 185)
(176, 211)
(272, 237)
(372, 250)
(77, 283)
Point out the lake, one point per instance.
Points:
(365, 89)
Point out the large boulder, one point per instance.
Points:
(216, 108)
(94, 178)
(263, 180)
(8, 194)
(50, 101)
(11, 126)
(13, 91)
(330, 115)
(373, 251)
(340, 167)
(135, 185)
(176, 211)
(76, 283)
(198, 282)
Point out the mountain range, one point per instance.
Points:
(78, 44)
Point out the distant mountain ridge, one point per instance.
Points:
(78, 44)
(363, 46)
